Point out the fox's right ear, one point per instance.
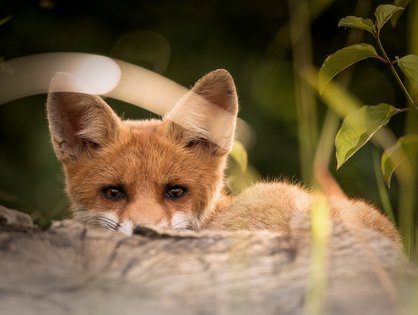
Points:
(79, 124)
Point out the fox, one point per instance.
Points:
(169, 172)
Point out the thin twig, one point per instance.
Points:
(395, 73)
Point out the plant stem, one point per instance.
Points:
(402, 110)
(305, 101)
(392, 68)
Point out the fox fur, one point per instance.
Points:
(123, 174)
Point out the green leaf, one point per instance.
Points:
(396, 15)
(358, 127)
(384, 12)
(409, 66)
(239, 154)
(357, 22)
(405, 148)
(381, 186)
(342, 59)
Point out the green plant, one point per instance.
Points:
(369, 122)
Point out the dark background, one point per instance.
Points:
(183, 40)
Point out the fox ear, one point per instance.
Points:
(79, 123)
(208, 113)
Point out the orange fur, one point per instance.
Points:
(144, 160)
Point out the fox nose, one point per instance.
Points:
(146, 231)
(137, 229)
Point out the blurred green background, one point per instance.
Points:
(183, 40)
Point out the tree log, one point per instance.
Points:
(71, 269)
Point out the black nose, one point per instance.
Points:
(137, 230)
(143, 230)
(148, 232)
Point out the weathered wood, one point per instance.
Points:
(15, 219)
(69, 269)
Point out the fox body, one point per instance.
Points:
(121, 174)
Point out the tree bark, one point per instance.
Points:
(71, 269)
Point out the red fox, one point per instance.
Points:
(121, 174)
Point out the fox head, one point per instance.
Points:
(121, 174)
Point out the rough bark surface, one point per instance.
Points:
(69, 269)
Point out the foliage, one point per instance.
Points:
(361, 125)
(396, 154)
(342, 59)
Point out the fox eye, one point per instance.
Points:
(175, 192)
(113, 193)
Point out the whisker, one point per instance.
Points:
(105, 219)
(108, 222)
(94, 219)
(104, 222)
(181, 223)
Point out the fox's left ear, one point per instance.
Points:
(208, 112)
